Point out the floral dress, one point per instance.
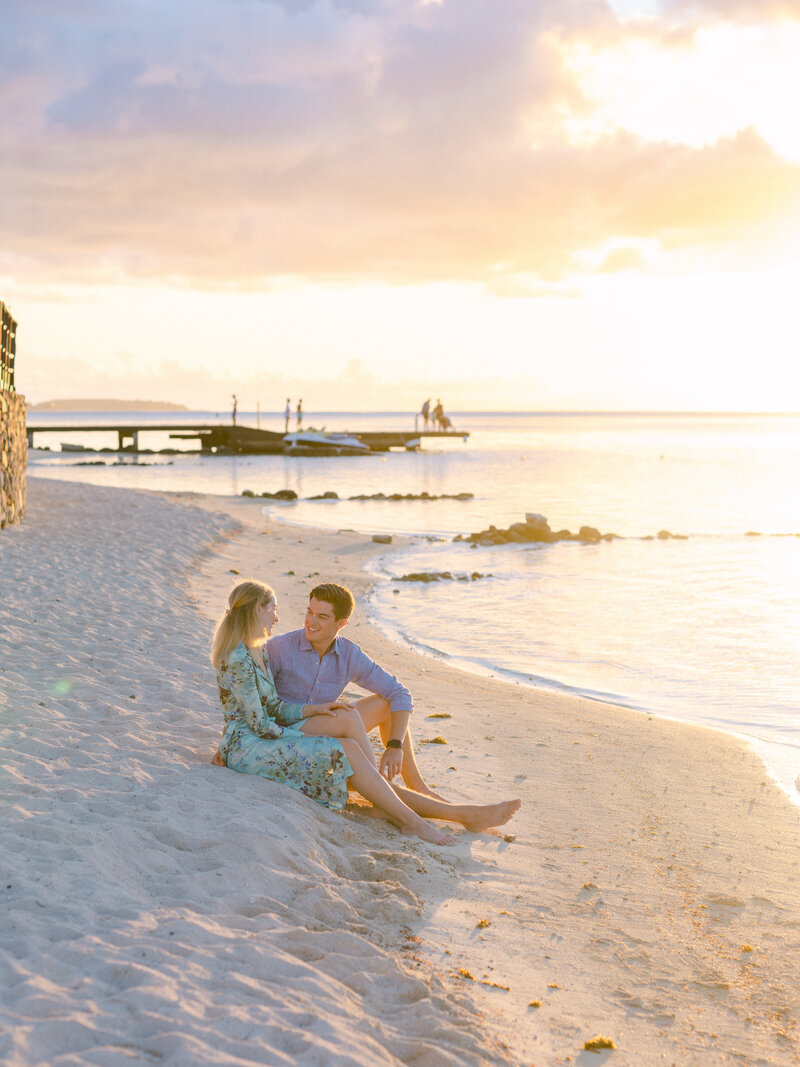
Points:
(262, 734)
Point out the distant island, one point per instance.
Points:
(82, 404)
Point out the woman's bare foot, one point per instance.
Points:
(428, 832)
(417, 828)
(488, 815)
(216, 759)
(371, 811)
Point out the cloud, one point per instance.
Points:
(732, 10)
(353, 388)
(231, 144)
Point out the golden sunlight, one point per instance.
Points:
(719, 81)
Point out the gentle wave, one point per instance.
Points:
(647, 625)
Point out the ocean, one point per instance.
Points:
(702, 628)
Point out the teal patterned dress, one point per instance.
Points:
(263, 736)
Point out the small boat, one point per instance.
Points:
(322, 443)
(67, 447)
(244, 440)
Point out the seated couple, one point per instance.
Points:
(322, 748)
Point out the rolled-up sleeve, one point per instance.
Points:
(366, 673)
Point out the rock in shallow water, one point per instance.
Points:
(535, 530)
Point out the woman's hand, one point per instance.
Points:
(391, 762)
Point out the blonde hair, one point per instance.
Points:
(238, 623)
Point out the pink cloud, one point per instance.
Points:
(224, 144)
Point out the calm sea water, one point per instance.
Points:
(705, 629)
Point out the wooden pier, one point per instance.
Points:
(237, 440)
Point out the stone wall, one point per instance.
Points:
(13, 458)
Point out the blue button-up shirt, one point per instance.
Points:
(300, 675)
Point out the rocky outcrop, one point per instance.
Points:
(289, 494)
(665, 535)
(441, 576)
(13, 458)
(410, 496)
(535, 530)
(282, 494)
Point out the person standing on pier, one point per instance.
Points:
(287, 414)
(235, 405)
(426, 413)
(299, 413)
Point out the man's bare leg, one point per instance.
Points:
(374, 711)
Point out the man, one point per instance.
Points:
(315, 664)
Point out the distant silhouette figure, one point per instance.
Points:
(299, 413)
(426, 412)
(287, 414)
(235, 405)
(438, 414)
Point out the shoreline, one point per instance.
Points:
(788, 780)
(779, 758)
(634, 882)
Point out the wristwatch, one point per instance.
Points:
(394, 743)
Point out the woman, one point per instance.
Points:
(320, 749)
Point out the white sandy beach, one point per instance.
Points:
(161, 910)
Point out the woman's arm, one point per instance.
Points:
(237, 677)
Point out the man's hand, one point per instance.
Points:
(329, 709)
(391, 762)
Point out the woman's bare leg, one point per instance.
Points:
(475, 817)
(396, 801)
(374, 711)
(368, 782)
(343, 724)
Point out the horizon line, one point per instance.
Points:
(406, 411)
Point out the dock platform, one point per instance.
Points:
(240, 440)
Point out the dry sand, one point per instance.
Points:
(161, 910)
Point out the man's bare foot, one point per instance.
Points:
(483, 816)
(216, 759)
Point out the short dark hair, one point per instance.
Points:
(338, 596)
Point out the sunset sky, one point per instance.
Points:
(511, 204)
